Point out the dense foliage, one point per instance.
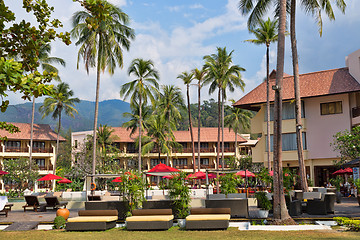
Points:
(347, 143)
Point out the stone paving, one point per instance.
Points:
(348, 208)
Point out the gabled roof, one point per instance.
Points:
(328, 82)
(206, 135)
(41, 132)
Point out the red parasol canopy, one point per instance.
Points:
(49, 177)
(343, 171)
(272, 173)
(118, 179)
(211, 175)
(168, 176)
(242, 174)
(65, 180)
(3, 172)
(163, 168)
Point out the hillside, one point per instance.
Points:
(110, 113)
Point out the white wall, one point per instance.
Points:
(353, 63)
(322, 128)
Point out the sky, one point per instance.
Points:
(176, 34)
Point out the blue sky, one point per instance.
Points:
(176, 34)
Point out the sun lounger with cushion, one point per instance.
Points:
(5, 207)
(150, 219)
(208, 219)
(92, 220)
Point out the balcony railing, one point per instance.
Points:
(16, 149)
(132, 150)
(42, 150)
(189, 150)
(46, 168)
(355, 112)
(228, 149)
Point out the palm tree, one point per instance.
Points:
(237, 120)
(46, 64)
(170, 101)
(266, 33)
(222, 74)
(143, 87)
(187, 79)
(102, 32)
(60, 100)
(200, 76)
(133, 123)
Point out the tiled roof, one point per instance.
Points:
(41, 132)
(313, 84)
(206, 135)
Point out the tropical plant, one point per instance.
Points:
(222, 75)
(266, 33)
(145, 86)
(187, 78)
(199, 74)
(336, 182)
(60, 100)
(169, 105)
(263, 202)
(357, 185)
(179, 192)
(102, 32)
(133, 123)
(228, 184)
(347, 143)
(237, 120)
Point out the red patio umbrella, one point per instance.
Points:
(211, 175)
(3, 172)
(242, 174)
(49, 177)
(65, 180)
(343, 171)
(168, 176)
(162, 168)
(272, 173)
(118, 179)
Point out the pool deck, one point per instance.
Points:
(349, 207)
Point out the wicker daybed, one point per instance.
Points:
(93, 220)
(208, 219)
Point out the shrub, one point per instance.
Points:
(264, 202)
(350, 224)
(59, 222)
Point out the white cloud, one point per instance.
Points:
(119, 3)
(196, 6)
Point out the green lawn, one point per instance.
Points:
(175, 233)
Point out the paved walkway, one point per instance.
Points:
(348, 208)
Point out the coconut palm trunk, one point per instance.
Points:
(57, 141)
(32, 132)
(268, 107)
(96, 117)
(191, 129)
(218, 141)
(199, 125)
(222, 128)
(280, 211)
(140, 128)
(302, 171)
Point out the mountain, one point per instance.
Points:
(110, 113)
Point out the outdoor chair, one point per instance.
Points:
(208, 219)
(54, 202)
(316, 206)
(33, 202)
(239, 207)
(5, 207)
(330, 202)
(92, 220)
(150, 219)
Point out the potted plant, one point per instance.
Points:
(263, 203)
(228, 184)
(179, 192)
(357, 185)
(337, 183)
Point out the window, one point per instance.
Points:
(203, 161)
(203, 145)
(180, 162)
(38, 144)
(40, 163)
(331, 108)
(76, 144)
(184, 145)
(288, 142)
(154, 162)
(13, 144)
(288, 111)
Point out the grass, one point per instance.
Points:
(175, 233)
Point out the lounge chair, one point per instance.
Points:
(150, 219)
(5, 207)
(33, 202)
(239, 207)
(54, 202)
(321, 206)
(92, 220)
(208, 219)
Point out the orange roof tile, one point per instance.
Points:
(328, 82)
(41, 132)
(207, 135)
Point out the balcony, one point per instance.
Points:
(228, 149)
(132, 150)
(355, 112)
(46, 168)
(16, 149)
(42, 150)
